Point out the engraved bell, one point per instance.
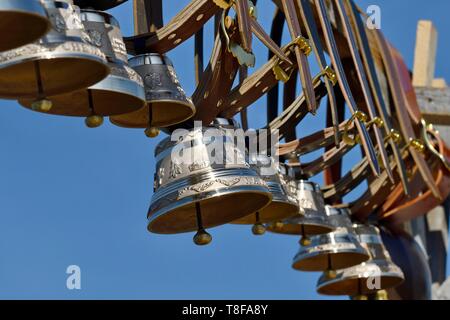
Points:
(167, 101)
(311, 219)
(379, 273)
(21, 22)
(283, 205)
(203, 180)
(335, 250)
(62, 61)
(121, 92)
(99, 4)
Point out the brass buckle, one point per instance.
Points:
(346, 137)
(395, 136)
(430, 145)
(328, 73)
(224, 4)
(302, 43)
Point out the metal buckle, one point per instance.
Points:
(346, 137)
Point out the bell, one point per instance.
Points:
(195, 190)
(311, 219)
(99, 4)
(283, 204)
(121, 92)
(336, 250)
(62, 61)
(21, 22)
(167, 101)
(367, 278)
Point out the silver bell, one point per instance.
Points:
(21, 22)
(167, 103)
(277, 177)
(335, 250)
(311, 219)
(195, 190)
(121, 92)
(378, 273)
(62, 61)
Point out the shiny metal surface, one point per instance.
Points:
(62, 61)
(378, 273)
(283, 204)
(21, 22)
(335, 250)
(121, 92)
(224, 192)
(167, 102)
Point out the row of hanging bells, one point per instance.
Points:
(59, 59)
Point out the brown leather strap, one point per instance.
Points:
(253, 88)
(410, 208)
(401, 105)
(343, 83)
(183, 26)
(305, 11)
(363, 83)
(302, 60)
(245, 29)
(372, 76)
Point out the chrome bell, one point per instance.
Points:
(283, 205)
(21, 22)
(311, 219)
(99, 4)
(62, 61)
(121, 92)
(167, 101)
(335, 250)
(379, 273)
(195, 190)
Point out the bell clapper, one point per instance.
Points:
(330, 273)
(258, 228)
(360, 296)
(202, 237)
(151, 132)
(381, 295)
(304, 241)
(93, 121)
(41, 104)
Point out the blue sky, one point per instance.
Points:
(72, 195)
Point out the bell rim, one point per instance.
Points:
(266, 217)
(99, 60)
(140, 125)
(324, 289)
(26, 103)
(187, 201)
(357, 255)
(41, 16)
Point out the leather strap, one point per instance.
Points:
(302, 60)
(313, 33)
(276, 34)
(343, 83)
(411, 208)
(183, 26)
(369, 64)
(400, 103)
(363, 82)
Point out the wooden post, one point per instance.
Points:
(148, 15)
(433, 97)
(425, 54)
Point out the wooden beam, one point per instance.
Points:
(434, 104)
(148, 15)
(425, 54)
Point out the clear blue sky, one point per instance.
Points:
(70, 195)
